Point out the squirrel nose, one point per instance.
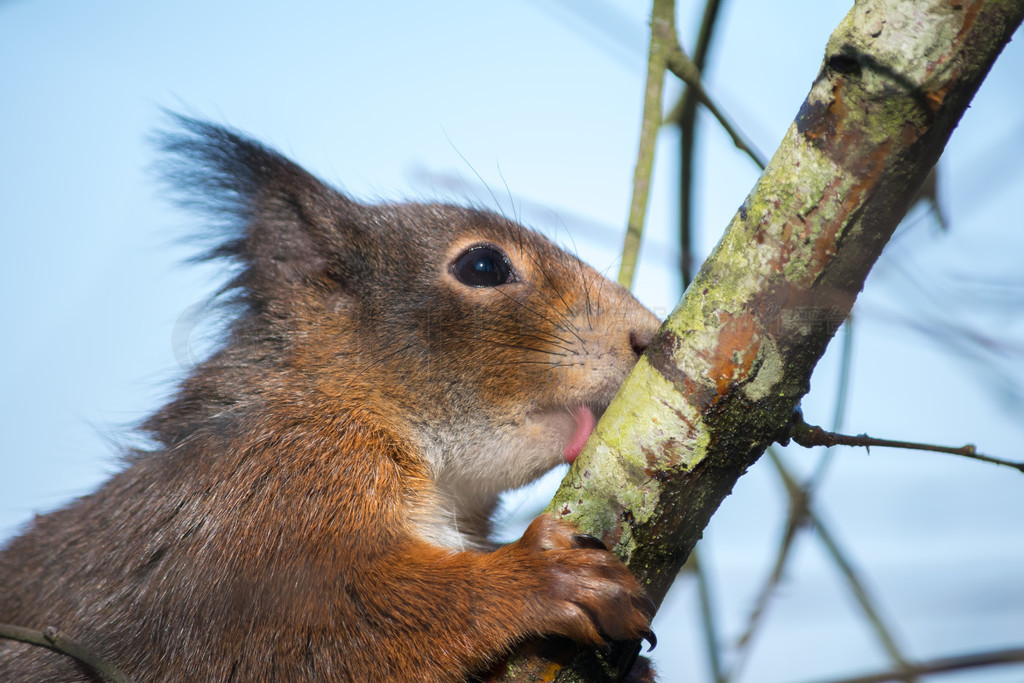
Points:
(639, 340)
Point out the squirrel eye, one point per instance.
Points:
(483, 266)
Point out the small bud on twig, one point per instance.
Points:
(811, 435)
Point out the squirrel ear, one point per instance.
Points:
(282, 224)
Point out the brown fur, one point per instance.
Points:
(318, 504)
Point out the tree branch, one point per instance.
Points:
(943, 665)
(52, 639)
(685, 70)
(839, 558)
(732, 362)
(684, 115)
(809, 436)
(663, 37)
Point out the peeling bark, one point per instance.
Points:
(734, 359)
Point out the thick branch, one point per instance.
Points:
(734, 359)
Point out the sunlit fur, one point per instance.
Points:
(318, 504)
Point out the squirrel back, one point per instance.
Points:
(319, 502)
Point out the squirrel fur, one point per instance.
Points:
(317, 502)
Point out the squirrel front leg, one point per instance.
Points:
(448, 613)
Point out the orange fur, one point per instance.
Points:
(318, 505)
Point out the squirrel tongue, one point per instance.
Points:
(585, 422)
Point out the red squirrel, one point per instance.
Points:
(317, 501)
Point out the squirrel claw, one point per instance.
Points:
(588, 541)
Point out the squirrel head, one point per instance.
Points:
(483, 348)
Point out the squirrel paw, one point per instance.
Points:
(592, 595)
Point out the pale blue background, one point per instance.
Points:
(541, 99)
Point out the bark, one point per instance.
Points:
(732, 362)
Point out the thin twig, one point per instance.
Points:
(798, 501)
(856, 587)
(811, 435)
(943, 665)
(686, 119)
(679, 63)
(663, 35)
(795, 521)
(53, 639)
(801, 513)
(707, 615)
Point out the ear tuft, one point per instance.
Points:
(272, 218)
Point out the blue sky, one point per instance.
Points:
(540, 100)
